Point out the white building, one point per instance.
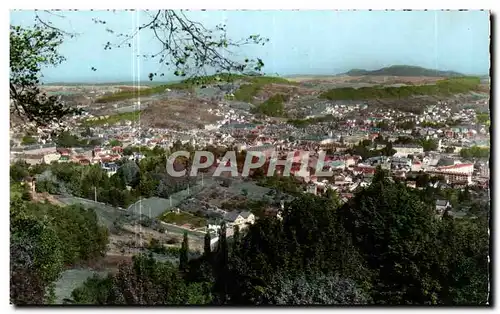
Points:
(405, 150)
(458, 168)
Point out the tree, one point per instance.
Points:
(388, 150)
(26, 286)
(19, 170)
(222, 259)
(475, 152)
(333, 196)
(28, 140)
(66, 139)
(187, 47)
(449, 149)
(236, 237)
(149, 282)
(207, 245)
(464, 262)
(31, 49)
(94, 291)
(317, 289)
(429, 145)
(87, 133)
(380, 139)
(394, 231)
(184, 253)
(422, 180)
(115, 142)
(147, 185)
(36, 256)
(130, 172)
(190, 47)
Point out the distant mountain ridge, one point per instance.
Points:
(403, 70)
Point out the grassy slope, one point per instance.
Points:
(404, 70)
(245, 92)
(183, 218)
(112, 119)
(442, 88)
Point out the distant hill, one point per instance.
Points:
(403, 70)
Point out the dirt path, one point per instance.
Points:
(45, 197)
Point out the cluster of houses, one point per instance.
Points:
(106, 157)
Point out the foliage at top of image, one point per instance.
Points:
(188, 48)
(31, 49)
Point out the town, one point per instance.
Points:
(238, 187)
(446, 142)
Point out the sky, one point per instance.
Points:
(301, 42)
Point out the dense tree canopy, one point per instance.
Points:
(44, 239)
(475, 152)
(384, 246)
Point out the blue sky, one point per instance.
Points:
(301, 42)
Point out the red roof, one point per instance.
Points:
(63, 151)
(365, 169)
(448, 173)
(456, 166)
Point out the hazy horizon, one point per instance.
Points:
(302, 43)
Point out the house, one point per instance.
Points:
(64, 151)
(467, 168)
(411, 184)
(111, 168)
(84, 161)
(117, 149)
(50, 157)
(33, 159)
(248, 216)
(405, 150)
(312, 188)
(399, 163)
(441, 206)
(234, 218)
(213, 228)
(239, 218)
(30, 183)
(416, 166)
(81, 159)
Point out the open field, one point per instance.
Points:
(72, 279)
(151, 207)
(133, 116)
(183, 219)
(107, 214)
(339, 79)
(167, 113)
